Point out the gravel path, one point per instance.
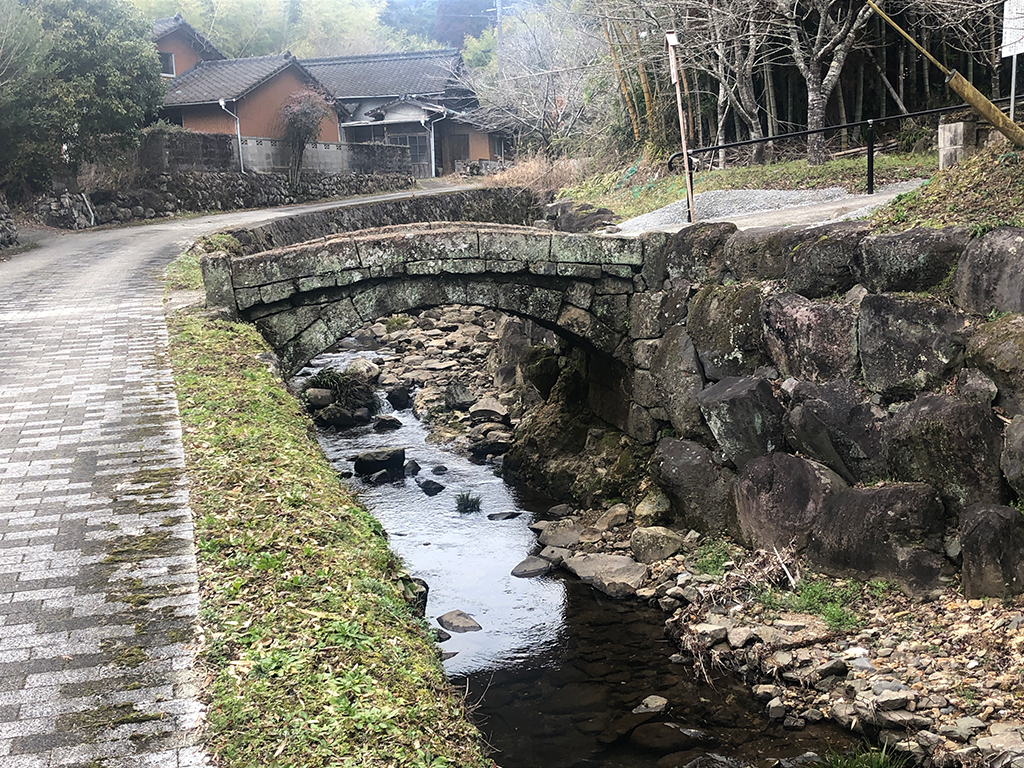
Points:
(727, 204)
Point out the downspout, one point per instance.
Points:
(238, 135)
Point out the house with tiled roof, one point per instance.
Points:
(180, 46)
(412, 100)
(416, 99)
(242, 96)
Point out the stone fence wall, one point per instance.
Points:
(170, 193)
(8, 232)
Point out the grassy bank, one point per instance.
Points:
(312, 655)
(642, 188)
(982, 192)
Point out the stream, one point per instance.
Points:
(557, 667)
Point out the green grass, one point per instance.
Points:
(710, 556)
(312, 654)
(827, 598)
(631, 194)
(184, 274)
(982, 192)
(864, 757)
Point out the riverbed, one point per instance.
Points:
(556, 669)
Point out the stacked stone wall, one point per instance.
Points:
(8, 232)
(167, 194)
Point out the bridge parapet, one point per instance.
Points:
(306, 297)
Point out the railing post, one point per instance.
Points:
(871, 157)
(691, 210)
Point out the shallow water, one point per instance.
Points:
(556, 662)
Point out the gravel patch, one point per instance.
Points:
(722, 203)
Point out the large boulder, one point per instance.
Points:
(651, 313)
(824, 260)
(655, 543)
(990, 275)
(908, 346)
(756, 254)
(832, 424)
(1011, 461)
(700, 491)
(992, 541)
(893, 531)
(952, 445)
(744, 417)
(725, 324)
(391, 460)
(915, 260)
(678, 377)
(997, 350)
(695, 253)
(615, 575)
(779, 497)
(810, 340)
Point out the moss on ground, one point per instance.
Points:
(313, 654)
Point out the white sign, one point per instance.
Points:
(1013, 28)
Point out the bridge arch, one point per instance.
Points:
(306, 297)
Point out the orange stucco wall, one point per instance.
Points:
(208, 118)
(259, 112)
(178, 43)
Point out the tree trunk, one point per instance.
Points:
(884, 63)
(900, 74)
(630, 108)
(858, 99)
(816, 104)
(723, 114)
(769, 97)
(844, 135)
(926, 67)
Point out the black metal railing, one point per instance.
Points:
(869, 139)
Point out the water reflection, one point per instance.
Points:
(466, 559)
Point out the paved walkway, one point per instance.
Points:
(98, 591)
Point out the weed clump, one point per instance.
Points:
(467, 502)
(350, 390)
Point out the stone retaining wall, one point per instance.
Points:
(170, 193)
(8, 232)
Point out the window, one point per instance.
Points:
(166, 64)
(417, 144)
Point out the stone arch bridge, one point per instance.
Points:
(305, 297)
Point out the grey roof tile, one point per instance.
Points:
(164, 27)
(417, 73)
(230, 79)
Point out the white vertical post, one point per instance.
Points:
(1013, 87)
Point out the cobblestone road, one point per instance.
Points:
(97, 569)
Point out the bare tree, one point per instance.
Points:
(553, 86)
(821, 34)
